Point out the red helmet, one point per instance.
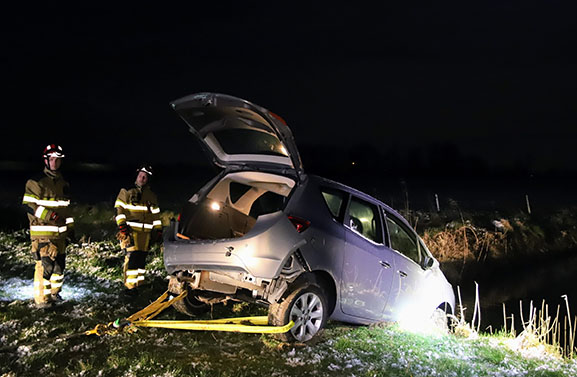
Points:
(53, 150)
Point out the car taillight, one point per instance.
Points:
(300, 224)
(178, 218)
(277, 117)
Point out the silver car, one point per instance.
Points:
(307, 247)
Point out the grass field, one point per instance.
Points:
(51, 342)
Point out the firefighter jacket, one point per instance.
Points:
(44, 195)
(138, 208)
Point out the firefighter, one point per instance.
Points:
(139, 224)
(47, 201)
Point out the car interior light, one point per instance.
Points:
(215, 206)
(300, 224)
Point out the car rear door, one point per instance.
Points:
(368, 265)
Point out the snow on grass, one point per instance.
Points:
(392, 351)
(22, 289)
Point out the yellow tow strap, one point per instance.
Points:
(245, 324)
(143, 318)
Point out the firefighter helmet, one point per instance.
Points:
(145, 168)
(53, 150)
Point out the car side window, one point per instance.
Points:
(334, 200)
(364, 219)
(402, 240)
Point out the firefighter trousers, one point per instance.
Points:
(135, 259)
(49, 269)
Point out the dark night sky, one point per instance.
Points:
(498, 79)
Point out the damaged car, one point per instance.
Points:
(308, 248)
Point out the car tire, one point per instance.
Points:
(307, 306)
(190, 305)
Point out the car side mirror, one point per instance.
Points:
(428, 262)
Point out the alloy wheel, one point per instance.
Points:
(307, 314)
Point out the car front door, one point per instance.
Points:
(408, 275)
(367, 264)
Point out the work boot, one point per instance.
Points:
(56, 298)
(44, 305)
(130, 292)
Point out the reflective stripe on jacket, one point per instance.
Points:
(43, 196)
(138, 208)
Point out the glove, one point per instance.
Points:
(158, 237)
(71, 235)
(124, 229)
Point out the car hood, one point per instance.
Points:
(238, 133)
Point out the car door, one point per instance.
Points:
(409, 277)
(368, 268)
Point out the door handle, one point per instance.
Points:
(384, 264)
(403, 274)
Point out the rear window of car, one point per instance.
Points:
(245, 141)
(334, 200)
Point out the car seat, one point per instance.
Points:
(356, 224)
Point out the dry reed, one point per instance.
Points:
(542, 333)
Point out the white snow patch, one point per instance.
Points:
(23, 351)
(23, 289)
(333, 367)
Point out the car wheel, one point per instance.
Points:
(307, 307)
(190, 305)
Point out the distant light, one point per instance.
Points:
(352, 163)
(215, 206)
